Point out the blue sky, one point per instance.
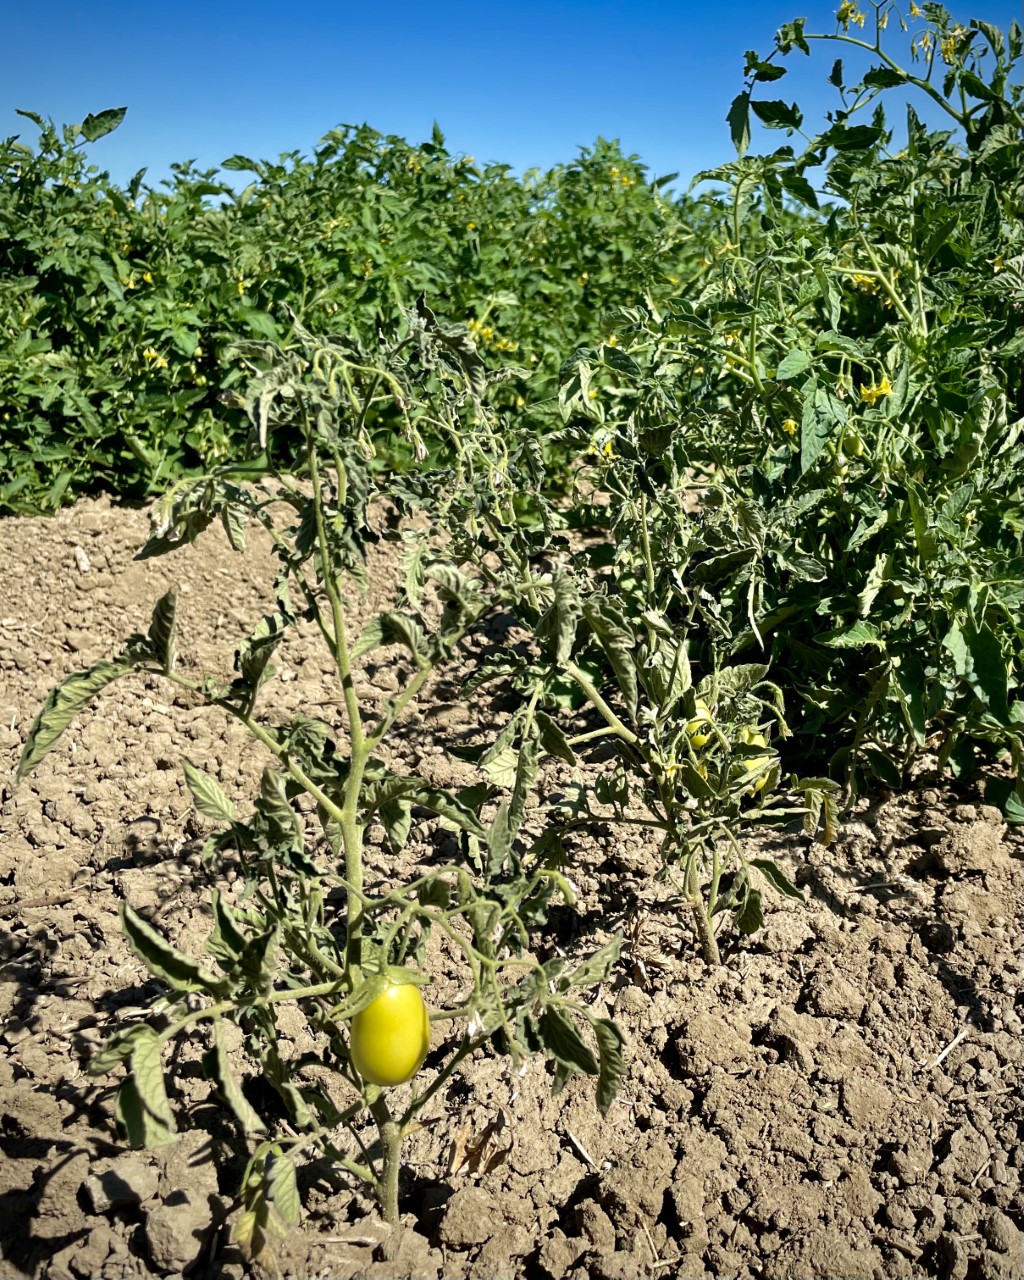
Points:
(524, 83)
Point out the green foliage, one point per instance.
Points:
(780, 507)
(844, 407)
(120, 307)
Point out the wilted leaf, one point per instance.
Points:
(163, 960)
(61, 707)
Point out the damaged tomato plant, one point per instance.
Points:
(311, 930)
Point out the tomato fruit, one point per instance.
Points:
(761, 764)
(390, 1037)
(697, 728)
(853, 445)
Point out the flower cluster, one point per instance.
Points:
(485, 333)
(870, 395)
(847, 13)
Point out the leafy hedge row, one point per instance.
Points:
(119, 305)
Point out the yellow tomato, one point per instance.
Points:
(390, 1037)
(758, 764)
(698, 728)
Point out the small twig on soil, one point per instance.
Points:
(887, 1243)
(57, 900)
(984, 1093)
(583, 1152)
(650, 1243)
(960, 1036)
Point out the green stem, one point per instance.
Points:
(587, 685)
(701, 920)
(645, 539)
(589, 737)
(923, 85)
(391, 1138)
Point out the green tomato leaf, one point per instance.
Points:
(246, 1115)
(794, 363)
(142, 1105)
(61, 707)
(102, 123)
(553, 740)
(565, 1044)
(738, 120)
(749, 915)
(165, 961)
(597, 966)
(776, 878)
(161, 630)
(612, 1063)
(208, 795)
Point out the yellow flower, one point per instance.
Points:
(520, 402)
(870, 394)
(240, 286)
(153, 357)
(591, 395)
(487, 333)
(848, 12)
(608, 449)
(128, 282)
(915, 12)
(791, 426)
(148, 277)
(612, 341)
(470, 226)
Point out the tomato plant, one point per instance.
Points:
(841, 397)
(325, 784)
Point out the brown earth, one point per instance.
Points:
(840, 1100)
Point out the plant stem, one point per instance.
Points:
(587, 685)
(705, 931)
(391, 1137)
(923, 85)
(708, 944)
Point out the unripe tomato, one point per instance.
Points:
(696, 728)
(390, 1037)
(853, 444)
(752, 738)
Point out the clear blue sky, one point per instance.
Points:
(525, 83)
